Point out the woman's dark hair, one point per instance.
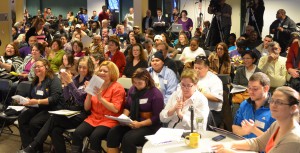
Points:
(40, 47)
(60, 46)
(79, 43)
(115, 41)
(183, 11)
(168, 41)
(98, 56)
(90, 64)
(251, 54)
(17, 53)
(49, 72)
(225, 58)
(195, 39)
(142, 53)
(70, 58)
(37, 21)
(143, 74)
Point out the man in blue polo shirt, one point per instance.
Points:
(253, 117)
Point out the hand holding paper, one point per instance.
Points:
(94, 82)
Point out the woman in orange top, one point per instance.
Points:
(108, 100)
(284, 133)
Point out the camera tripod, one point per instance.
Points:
(251, 12)
(209, 36)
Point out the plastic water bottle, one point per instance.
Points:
(199, 126)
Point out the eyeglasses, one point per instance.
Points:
(201, 57)
(277, 102)
(186, 86)
(38, 66)
(247, 58)
(252, 89)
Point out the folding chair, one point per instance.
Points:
(125, 82)
(5, 87)
(177, 57)
(23, 88)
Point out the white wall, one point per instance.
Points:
(94, 5)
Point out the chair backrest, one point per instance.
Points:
(177, 57)
(210, 121)
(5, 87)
(125, 82)
(23, 88)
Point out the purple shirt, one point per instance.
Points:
(186, 25)
(152, 101)
(28, 67)
(24, 51)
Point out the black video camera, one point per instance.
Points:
(214, 4)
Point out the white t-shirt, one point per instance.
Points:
(189, 56)
(250, 73)
(213, 85)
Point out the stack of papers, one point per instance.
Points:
(237, 88)
(22, 100)
(94, 82)
(123, 119)
(65, 112)
(165, 135)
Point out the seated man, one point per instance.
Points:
(96, 45)
(253, 117)
(274, 66)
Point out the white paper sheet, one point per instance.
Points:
(237, 88)
(94, 82)
(17, 108)
(64, 112)
(122, 119)
(22, 100)
(165, 135)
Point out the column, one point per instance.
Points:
(5, 24)
(140, 7)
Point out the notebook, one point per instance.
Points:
(227, 133)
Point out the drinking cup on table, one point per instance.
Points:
(192, 140)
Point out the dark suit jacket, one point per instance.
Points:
(149, 23)
(160, 29)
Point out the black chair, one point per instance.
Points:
(210, 121)
(23, 88)
(5, 87)
(226, 108)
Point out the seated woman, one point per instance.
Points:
(46, 92)
(183, 42)
(97, 59)
(219, 61)
(211, 87)
(242, 76)
(189, 53)
(143, 106)
(136, 59)
(26, 69)
(284, 133)
(108, 100)
(113, 54)
(55, 55)
(164, 78)
(77, 48)
(176, 112)
(11, 61)
(68, 65)
(74, 95)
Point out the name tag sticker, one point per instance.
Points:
(285, 26)
(40, 92)
(143, 101)
(259, 124)
(81, 87)
(165, 81)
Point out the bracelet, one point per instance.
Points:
(39, 101)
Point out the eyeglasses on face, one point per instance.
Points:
(277, 102)
(186, 86)
(38, 66)
(200, 57)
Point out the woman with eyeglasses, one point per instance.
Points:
(284, 133)
(242, 76)
(74, 95)
(176, 111)
(107, 100)
(219, 61)
(45, 95)
(211, 87)
(143, 105)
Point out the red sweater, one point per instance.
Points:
(119, 59)
(292, 55)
